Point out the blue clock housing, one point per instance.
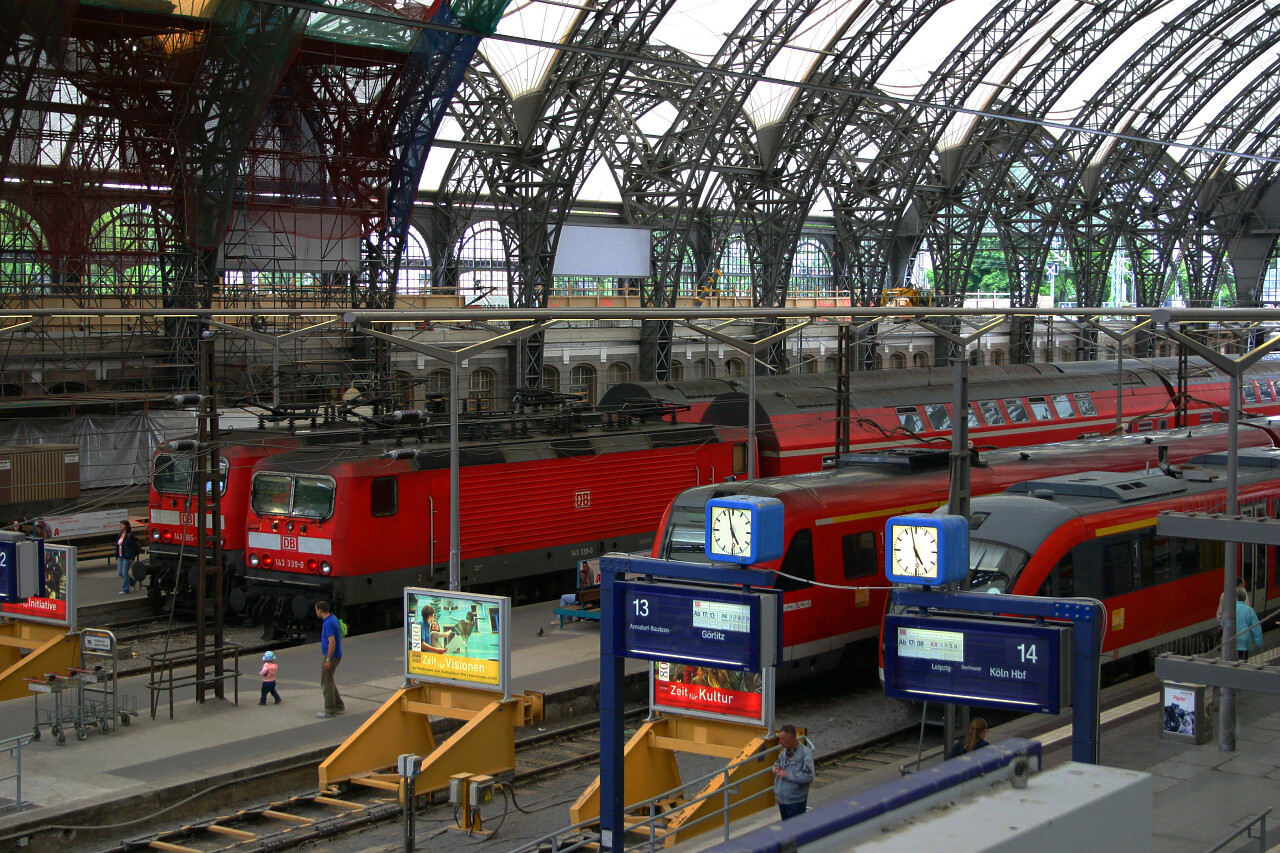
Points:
(953, 548)
(767, 535)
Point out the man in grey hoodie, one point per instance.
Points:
(792, 773)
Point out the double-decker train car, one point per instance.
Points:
(1093, 534)
(1010, 406)
(353, 525)
(832, 571)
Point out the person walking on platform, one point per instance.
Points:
(1248, 631)
(268, 673)
(126, 553)
(977, 739)
(792, 773)
(331, 648)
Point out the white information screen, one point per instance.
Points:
(721, 616)
(931, 645)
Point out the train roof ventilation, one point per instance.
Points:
(1112, 485)
(907, 459)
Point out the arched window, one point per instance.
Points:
(550, 379)
(677, 370)
(974, 355)
(733, 367)
(483, 266)
(808, 363)
(618, 373)
(811, 270)
(415, 266)
(126, 246)
(20, 243)
(582, 380)
(897, 361)
(997, 357)
(830, 364)
(704, 368)
(436, 389)
(920, 359)
(879, 361)
(735, 265)
(482, 390)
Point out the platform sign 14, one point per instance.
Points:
(993, 663)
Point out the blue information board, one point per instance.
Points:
(728, 629)
(997, 664)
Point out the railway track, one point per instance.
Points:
(286, 824)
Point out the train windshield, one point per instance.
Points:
(687, 535)
(994, 567)
(176, 474)
(298, 495)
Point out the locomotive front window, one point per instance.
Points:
(313, 497)
(994, 567)
(271, 494)
(687, 535)
(172, 474)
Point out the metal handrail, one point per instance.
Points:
(1247, 828)
(13, 746)
(651, 805)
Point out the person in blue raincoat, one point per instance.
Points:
(1248, 631)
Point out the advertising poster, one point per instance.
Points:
(456, 637)
(692, 690)
(59, 583)
(1179, 710)
(588, 573)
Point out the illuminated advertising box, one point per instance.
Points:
(702, 691)
(457, 638)
(57, 605)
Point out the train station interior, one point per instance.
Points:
(312, 305)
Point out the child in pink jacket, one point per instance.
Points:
(269, 670)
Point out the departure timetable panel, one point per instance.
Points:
(994, 663)
(724, 628)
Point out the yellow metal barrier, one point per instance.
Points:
(485, 744)
(650, 770)
(33, 649)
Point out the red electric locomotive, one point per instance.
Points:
(1093, 534)
(355, 526)
(832, 572)
(1014, 405)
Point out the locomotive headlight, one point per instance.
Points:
(275, 525)
(166, 536)
(325, 568)
(268, 561)
(289, 526)
(155, 534)
(253, 559)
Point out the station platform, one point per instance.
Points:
(1200, 794)
(154, 763)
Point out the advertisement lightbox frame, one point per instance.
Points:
(503, 605)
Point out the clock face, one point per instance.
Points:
(915, 551)
(730, 531)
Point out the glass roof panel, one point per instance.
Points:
(699, 27)
(1004, 72)
(439, 156)
(768, 102)
(600, 184)
(523, 68)
(932, 43)
(1195, 131)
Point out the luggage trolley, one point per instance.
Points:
(65, 713)
(99, 676)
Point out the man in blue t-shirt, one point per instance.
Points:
(331, 648)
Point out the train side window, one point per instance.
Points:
(939, 417)
(974, 420)
(910, 419)
(860, 558)
(1264, 391)
(1143, 561)
(1061, 581)
(1250, 395)
(797, 563)
(1117, 568)
(382, 497)
(1040, 408)
(1085, 403)
(1206, 417)
(1062, 405)
(1017, 411)
(991, 412)
(739, 459)
(1164, 556)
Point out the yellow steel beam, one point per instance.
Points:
(53, 649)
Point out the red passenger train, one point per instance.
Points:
(1093, 534)
(832, 572)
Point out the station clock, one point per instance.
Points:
(744, 529)
(926, 549)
